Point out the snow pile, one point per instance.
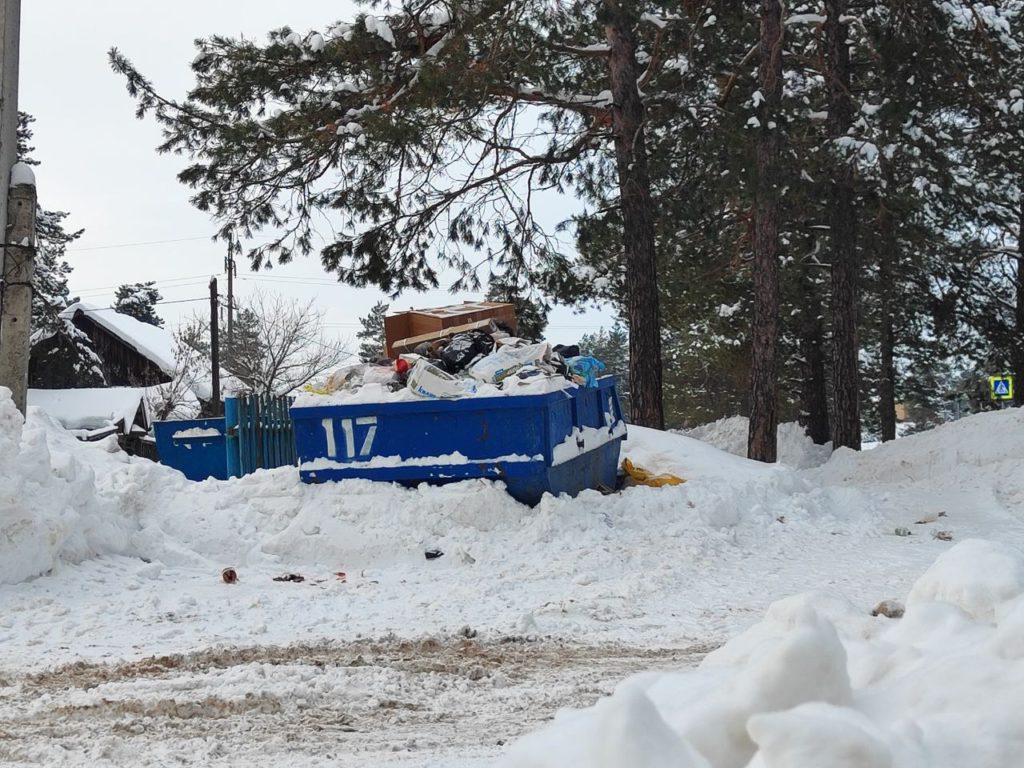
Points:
(818, 682)
(671, 566)
(49, 508)
(194, 432)
(796, 449)
(270, 519)
(981, 449)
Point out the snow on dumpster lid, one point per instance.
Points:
(151, 342)
(89, 408)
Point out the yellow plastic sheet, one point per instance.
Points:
(641, 476)
(317, 390)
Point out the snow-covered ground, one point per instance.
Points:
(730, 435)
(121, 645)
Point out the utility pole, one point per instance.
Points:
(10, 41)
(214, 348)
(19, 264)
(229, 267)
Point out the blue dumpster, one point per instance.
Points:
(196, 447)
(559, 442)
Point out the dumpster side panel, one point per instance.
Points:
(512, 439)
(598, 406)
(197, 457)
(375, 435)
(596, 469)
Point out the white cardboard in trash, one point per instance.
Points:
(427, 380)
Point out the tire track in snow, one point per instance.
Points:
(346, 704)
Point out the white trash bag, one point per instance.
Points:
(499, 365)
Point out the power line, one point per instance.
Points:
(137, 245)
(293, 281)
(154, 242)
(164, 282)
(99, 292)
(104, 309)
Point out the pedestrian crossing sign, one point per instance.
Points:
(1001, 387)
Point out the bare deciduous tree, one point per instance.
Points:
(183, 396)
(279, 345)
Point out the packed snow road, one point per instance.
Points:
(393, 702)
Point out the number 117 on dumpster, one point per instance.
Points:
(351, 429)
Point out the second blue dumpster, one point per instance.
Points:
(195, 447)
(559, 442)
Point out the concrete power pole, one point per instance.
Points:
(13, 363)
(19, 264)
(10, 41)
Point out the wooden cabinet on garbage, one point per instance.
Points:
(405, 330)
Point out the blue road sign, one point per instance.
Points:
(1001, 387)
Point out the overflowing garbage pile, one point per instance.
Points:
(481, 362)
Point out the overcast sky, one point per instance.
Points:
(99, 163)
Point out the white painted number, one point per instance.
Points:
(349, 430)
(371, 422)
(350, 438)
(332, 448)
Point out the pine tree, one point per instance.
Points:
(139, 300)
(611, 347)
(762, 443)
(898, 208)
(50, 278)
(247, 344)
(70, 349)
(530, 306)
(528, 96)
(371, 333)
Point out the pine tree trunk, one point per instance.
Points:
(843, 225)
(1018, 347)
(887, 329)
(814, 387)
(642, 311)
(762, 443)
(887, 382)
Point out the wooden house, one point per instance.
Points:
(128, 352)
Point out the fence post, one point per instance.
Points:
(231, 436)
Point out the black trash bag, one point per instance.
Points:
(464, 348)
(559, 366)
(570, 350)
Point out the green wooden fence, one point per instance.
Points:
(266, 438)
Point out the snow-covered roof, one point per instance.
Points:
(90, 408)
(155, 344)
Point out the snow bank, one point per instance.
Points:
(818, 682)
(271, 520)
(676, 565)
(49, 509)
(967, 452)
(796, 449)
(67, 500)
